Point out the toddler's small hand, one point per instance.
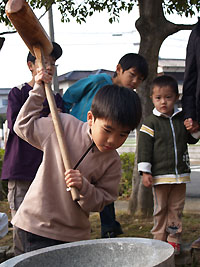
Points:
(191, 126)
(147, 179)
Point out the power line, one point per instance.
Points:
(88, 44)
(98, 33)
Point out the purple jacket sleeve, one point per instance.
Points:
(17, 97)
(14, 105)
(59, 104)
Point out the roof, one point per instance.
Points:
(80, 74)
(172, 65)
(4, 91)
(170, 62)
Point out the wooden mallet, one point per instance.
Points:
(31, 31)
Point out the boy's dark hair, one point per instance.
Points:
(118, 104)
(56, 53)
(132, 60)
(165, 80)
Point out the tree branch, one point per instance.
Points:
(3, 33)
(184, 26)
(172, 28)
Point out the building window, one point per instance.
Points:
(4, 102)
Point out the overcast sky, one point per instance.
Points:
(96, 44)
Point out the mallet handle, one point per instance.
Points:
(56, 121)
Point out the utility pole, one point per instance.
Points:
(51, 33)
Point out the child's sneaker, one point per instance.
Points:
(176, 246)
(196, 244)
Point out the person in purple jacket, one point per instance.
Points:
(21, 160)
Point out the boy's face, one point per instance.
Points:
(164, 99)
(130, 78)
(106, 134)
(49, 64)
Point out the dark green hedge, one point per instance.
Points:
(127, 160)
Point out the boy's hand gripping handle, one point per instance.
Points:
(56, 121)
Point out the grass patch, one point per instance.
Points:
(132, 226)
(8, 239)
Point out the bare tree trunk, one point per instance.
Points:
(151, 20)
(2, 39)
(141, 201)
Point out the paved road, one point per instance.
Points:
(193, 188)
(192, 202)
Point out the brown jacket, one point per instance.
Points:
(48, 209)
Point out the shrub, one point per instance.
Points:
(2, 120)
(1, 158)
(127, 161)
(3, 183)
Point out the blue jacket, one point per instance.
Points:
(78, 97)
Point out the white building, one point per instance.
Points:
(4, 99)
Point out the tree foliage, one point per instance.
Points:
(3, 17)
(80, 10)
(188, 8)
